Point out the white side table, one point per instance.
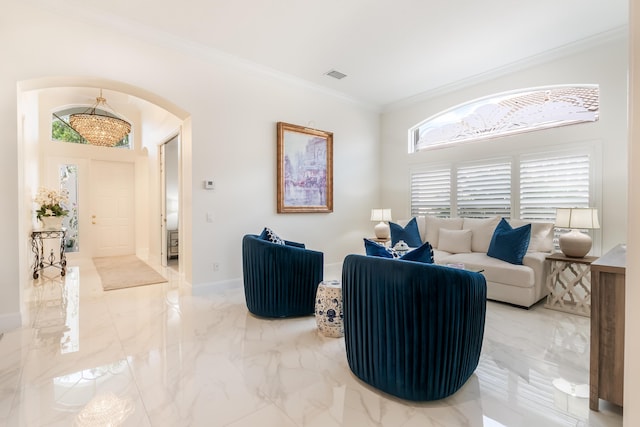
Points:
(569, 284)
(328, 309)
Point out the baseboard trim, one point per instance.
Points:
(10, 321)
(332, 271)
(202, 289)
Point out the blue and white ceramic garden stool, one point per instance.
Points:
(329, 314)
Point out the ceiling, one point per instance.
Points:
(390, 50)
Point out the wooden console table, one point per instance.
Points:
(569, 284)
(606, 375)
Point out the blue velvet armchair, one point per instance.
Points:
(412, 330)
(280, 280)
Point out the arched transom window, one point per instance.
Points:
(507, 113)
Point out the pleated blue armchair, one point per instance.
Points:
(280, 280)
(412, 330)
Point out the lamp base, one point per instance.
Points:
(382, 230)
(575, 244)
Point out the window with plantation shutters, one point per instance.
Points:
(541, 184)
(484, 190)
(551, 182)
(431, 193)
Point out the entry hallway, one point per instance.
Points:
(157, 355)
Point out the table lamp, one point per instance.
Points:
(576, 244)
(382, 228)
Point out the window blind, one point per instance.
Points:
(484, 190)
(547, 183)
(431, 192)
(544, 183)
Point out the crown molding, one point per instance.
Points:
(619, 33)
(157, 37)
(163, 38)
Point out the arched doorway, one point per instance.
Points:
(154, 120)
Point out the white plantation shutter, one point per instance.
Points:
(547, 183)
(543, 183)
(431, 192)
(484, 190)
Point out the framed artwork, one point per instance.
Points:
(305, 169)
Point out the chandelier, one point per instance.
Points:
(98, 126)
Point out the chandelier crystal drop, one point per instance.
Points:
(100, 129)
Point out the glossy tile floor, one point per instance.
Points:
(157, 355)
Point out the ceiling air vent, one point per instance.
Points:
(335, 74)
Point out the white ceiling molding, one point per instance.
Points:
(395, 52)
(548, 56)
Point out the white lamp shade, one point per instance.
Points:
(579, 218)
(381, 215)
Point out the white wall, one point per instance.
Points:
(605, 64)
(232, 112)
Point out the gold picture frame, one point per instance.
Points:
(305, 169)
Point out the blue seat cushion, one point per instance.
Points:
(509, 244)
(409, 233)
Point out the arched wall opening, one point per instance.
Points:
(154, 120)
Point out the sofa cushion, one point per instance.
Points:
(541, 235)
(409, 233)
(421, 227)
(423, 253)
(372, 248)
(482, 231)
(439, 255)
(495, 270)
(434, 224)
(270, 236)
(455, 241)
(509, 244)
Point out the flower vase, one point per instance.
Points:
(51, 222)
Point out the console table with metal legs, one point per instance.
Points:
(37, 247)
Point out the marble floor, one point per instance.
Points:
(158, 355)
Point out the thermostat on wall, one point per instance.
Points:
(209, 184)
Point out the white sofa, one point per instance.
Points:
(466, 241)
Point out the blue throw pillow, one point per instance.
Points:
(268, 235)
(423, 254)
(376, 249)
(509, 244)
(409, 233)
